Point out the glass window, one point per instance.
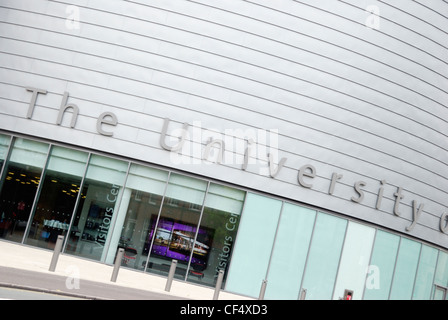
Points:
(440, 293)
(4, 146)
(101, 193)
(354, 261)
(382, 264)
(441, 277)
(58, 196)
(254, 245)
(290, 252)
(140, 203)
(405, 270)
(425, 274)
(172, 234)
(323, 260)
(21, 179)
(217, 233)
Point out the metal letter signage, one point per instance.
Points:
(305, 176)
(108, 118)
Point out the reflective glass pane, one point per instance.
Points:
(217, 233)
(441, 277)
(354, 261)
(323, 260)
(425, 274)
(21, 180)
(254, 244)
(290, 252)
(60, 189)
(4, 146)
(140, 203)
(101, 192)
(172, 234)
(382, 266)
(440, 293)
(405, 270)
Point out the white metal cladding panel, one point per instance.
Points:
(346, 95)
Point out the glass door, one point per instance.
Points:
(21, 176)
(440, 293)
(57, 197)
(173, 232)
(101, 194)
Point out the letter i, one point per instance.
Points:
(247, 153)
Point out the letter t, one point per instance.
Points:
(35, 92)
(398, 196)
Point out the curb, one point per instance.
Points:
(49, 291)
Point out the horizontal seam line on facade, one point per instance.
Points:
(239, 91)
(338, 137)
(414, 16)
(328, 27)
(230, 120)
(403, 26)
(306, 127)
(235, 75)
(317, 160)
(220, 86)
(257, 66)
(302, 110)
(113, 13)
(338, 91)
(258, 35)
(386, 34)
(320, 55)
(296, 31)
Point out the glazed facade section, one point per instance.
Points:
(306, 250)
(101, 203)
(356, 89)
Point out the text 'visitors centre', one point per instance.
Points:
(296, 144)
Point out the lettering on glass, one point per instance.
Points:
(107, 219)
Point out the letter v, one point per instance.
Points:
(273, 172)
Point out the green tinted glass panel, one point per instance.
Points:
(323, 261)
(382, 265)
(290, 252)
(253, 245)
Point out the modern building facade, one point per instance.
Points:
(295, 144)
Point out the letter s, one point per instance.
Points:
(358, 186)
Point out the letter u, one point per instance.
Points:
(180, 144)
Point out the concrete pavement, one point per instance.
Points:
(27, 267)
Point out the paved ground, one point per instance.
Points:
(27, 267)
(7, 293)
(92, 290)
